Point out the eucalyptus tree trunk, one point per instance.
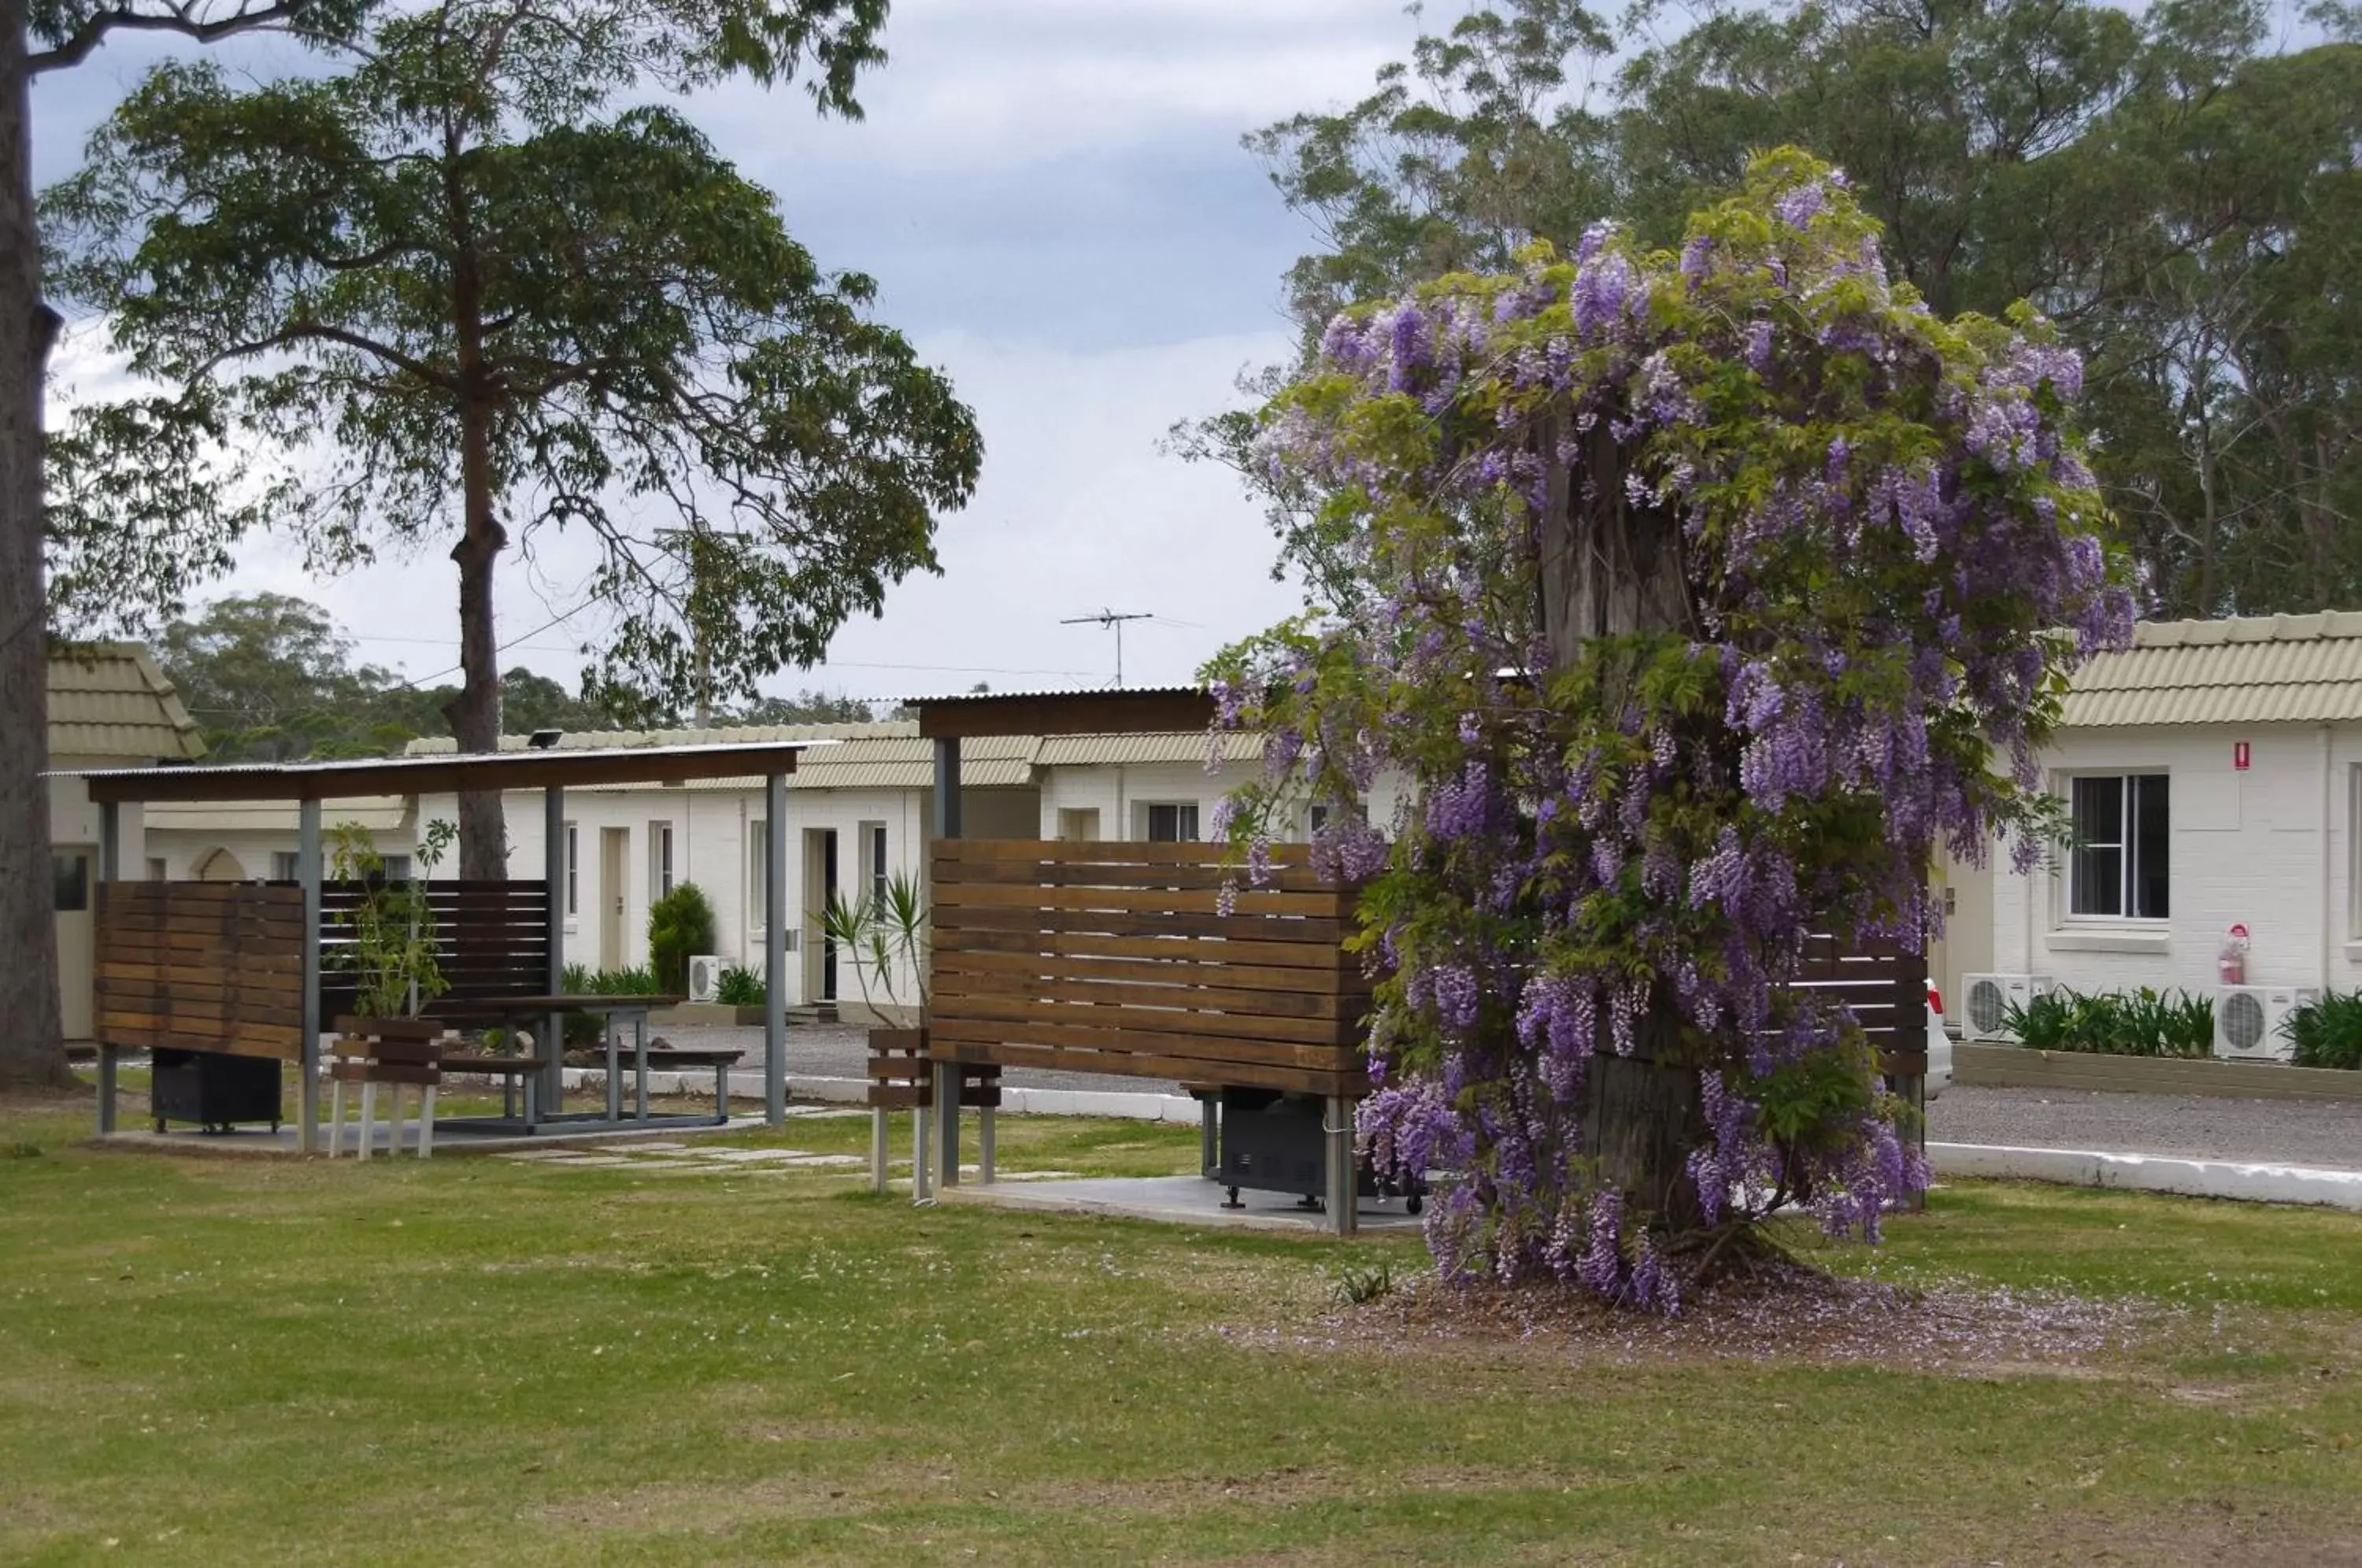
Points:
(1611, 569)
(31, 1047)
(475, 712)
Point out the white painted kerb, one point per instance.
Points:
(2152, 1173)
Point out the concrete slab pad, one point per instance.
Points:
(1176, 1200)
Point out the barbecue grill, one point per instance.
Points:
(213, 1089)
(1270, 1141)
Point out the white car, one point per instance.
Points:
(1940, 1045)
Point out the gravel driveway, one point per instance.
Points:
(2284, 1131)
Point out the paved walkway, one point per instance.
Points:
(842, 1051)
(2324, 1134)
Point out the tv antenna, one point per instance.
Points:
(1105, 619)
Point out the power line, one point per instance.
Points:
(504, 648)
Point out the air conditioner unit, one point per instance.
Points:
(2247, 1021)
(1985, 1001)
(705, 976)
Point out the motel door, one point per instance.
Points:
(77, 937)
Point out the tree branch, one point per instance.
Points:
(313, 332)
(180, 20)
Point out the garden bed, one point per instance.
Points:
(2015, 1066)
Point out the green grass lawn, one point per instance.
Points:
(235, 1360)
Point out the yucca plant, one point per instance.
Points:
(882, 934)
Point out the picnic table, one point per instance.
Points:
(612, 1012)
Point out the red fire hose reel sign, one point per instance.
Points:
(2239, 755)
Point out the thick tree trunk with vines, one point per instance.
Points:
(1611, 569)
(31, 1048)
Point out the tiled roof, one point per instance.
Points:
(109, 701)
(2258, 669)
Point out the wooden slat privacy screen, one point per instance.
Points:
(201, 966)
(1886, 986)
(491, 940)
(219, 965)
(1116, 958)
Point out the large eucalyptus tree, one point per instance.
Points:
(454, 292)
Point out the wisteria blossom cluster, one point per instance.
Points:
(1890, 553)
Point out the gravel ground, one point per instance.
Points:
(842, 1051)
(2302, 1133)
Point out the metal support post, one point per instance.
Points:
(554, 869)
(775, 951)
(1209, 1142)
(307, 871)
(984, 1159)
(877, 1149)
(110, 862)
(946, 1074)
(1345, 1195)
(922, 1190)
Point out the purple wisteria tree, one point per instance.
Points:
(1702, 599)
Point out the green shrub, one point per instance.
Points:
(2146, 1022)
(739, 987)
(680, 926)
(2328, 1033)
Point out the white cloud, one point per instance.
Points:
(1078, 511)
(972, 85)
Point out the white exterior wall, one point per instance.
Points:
(2270, 847)
(74, 824)
(74, 819)
(1120, 792)
(712, 847)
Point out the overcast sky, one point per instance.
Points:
(1052, 198)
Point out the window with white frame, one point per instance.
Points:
(284, 867)
(873, 862)
(397, 868)
(758, 876)
(660, 860)
(158, 871)
(1170, 824)
(2119, 862)
(573, 870)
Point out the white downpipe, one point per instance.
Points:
(2327, 785)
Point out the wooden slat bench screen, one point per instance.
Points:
(491, 938)
(1116, 957)
(201, 966)
(1886, 986)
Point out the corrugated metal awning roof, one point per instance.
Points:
(2257, 670)
(1085, 751)
(109, 700)
(441, 773)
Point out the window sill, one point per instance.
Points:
(2354, 952)
(2086, 939)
